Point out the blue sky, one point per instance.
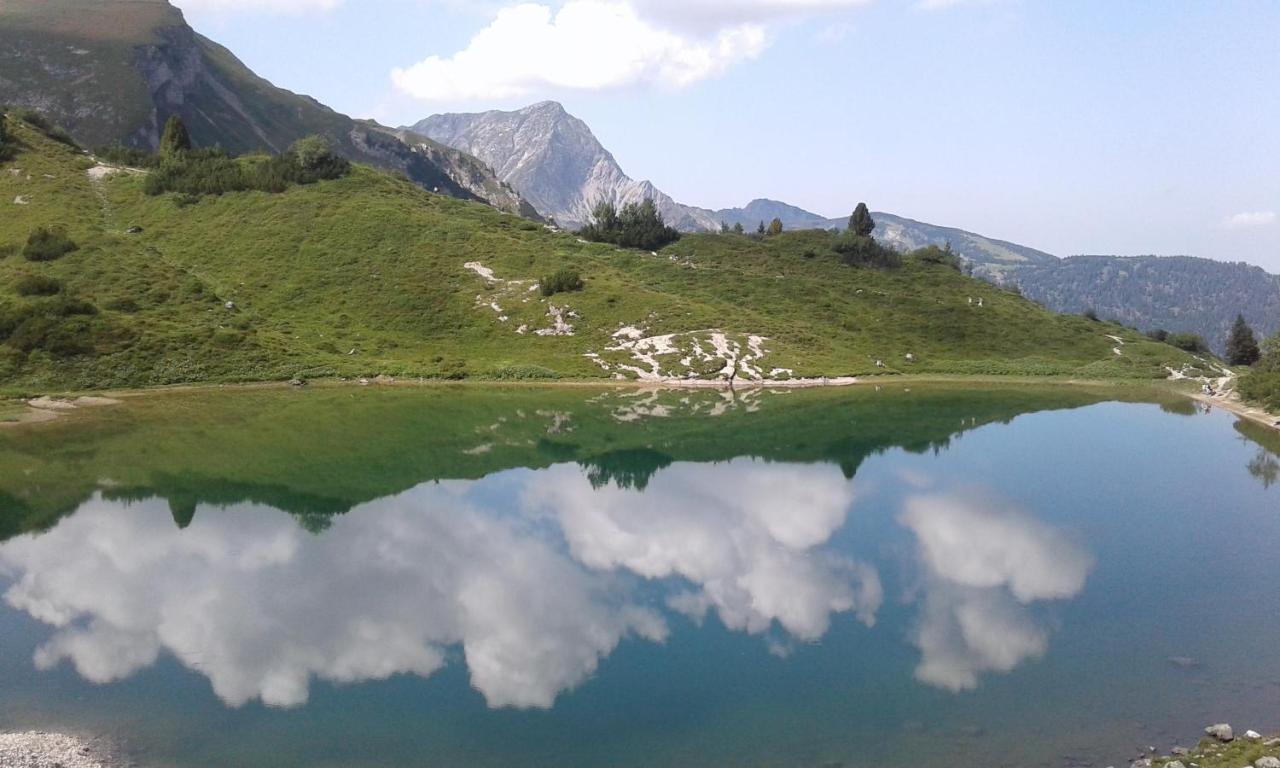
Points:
(1088, 126)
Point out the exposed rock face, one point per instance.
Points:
(555, 162)
(115, 72)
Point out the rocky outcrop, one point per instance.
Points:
(555, 162)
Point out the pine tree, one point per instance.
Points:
(1242, 345)
(738, 229)
(175, 138)
(861, 223)
(775, 227)
(724, 227)
(760, 229)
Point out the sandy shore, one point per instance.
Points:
(1230, 401)
(38, 749)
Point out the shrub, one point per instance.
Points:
(6, 145)
(129, 156)
(562, 280)
(638, 225)
(38, 285)
(48, 244)
(863, 251)
(60, 326)
(213, 172)
(1158, 334)
(44, 126)
(1189, 342)
(1090, 314)
(932, 254)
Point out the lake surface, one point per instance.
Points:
(903, 576)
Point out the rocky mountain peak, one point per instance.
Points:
(555, 161)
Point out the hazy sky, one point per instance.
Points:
(1074, 126)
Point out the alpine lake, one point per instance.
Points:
(894, 575)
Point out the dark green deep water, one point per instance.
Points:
(923, 576)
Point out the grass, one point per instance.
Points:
(1210, 753)
(366, 275)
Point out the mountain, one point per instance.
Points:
(366, 274)
(1177, 293)
(556, 163)
(113, 72)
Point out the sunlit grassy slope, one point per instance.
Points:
(367, 275)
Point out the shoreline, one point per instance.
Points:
(48, 408)
(1230, 401)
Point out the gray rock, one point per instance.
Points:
(1253, 735)
(1175, 764)
(1180, 751)
(1267, 762)
(1221, 732)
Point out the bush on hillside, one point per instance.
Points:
(1189, 342)
(637, 225)
(48, 244)
(1158, 334)
(60, 326)
(44, 126)
(863, 251)
(932, 254)
(1090, 314)
(127, 156)
(7, 150)
(562, 280)
(212, 172)
(38, 285)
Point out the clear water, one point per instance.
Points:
(928, 577)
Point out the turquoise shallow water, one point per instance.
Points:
(937, 577)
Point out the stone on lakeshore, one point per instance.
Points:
(1180, 751)
(1221, 732)
(1253, 736)
(1175, 764)
(1267, 762)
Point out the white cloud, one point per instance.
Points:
(1250, 219)
(586, 45)
(225, 7)
(985, 561)
(600, 44)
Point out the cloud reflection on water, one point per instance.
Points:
(535, 586)
(248, 598)
(985, 561)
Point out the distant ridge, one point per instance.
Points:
(1176, 293)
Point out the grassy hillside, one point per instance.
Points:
(369, 275)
